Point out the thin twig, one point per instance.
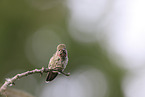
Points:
(10, 81)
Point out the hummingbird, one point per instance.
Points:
(58, 62)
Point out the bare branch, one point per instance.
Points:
(10, 81)
(66, 74)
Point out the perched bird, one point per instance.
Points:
(58, 61)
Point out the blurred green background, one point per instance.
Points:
(30, 30)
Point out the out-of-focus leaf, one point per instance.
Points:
(11, 92)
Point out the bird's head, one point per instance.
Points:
(61, 50)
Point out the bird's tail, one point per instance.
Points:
(51, 75)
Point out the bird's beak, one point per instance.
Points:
(64, 51)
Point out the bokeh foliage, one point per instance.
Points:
(21, 19)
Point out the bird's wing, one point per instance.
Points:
(53, 62)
